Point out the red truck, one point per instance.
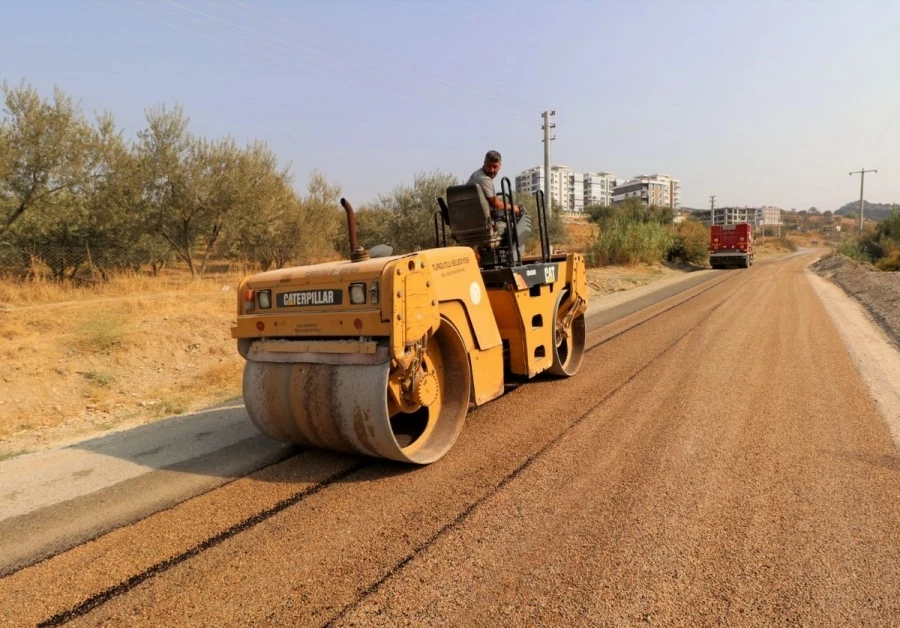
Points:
(731, 245)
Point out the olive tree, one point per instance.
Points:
(43, 150)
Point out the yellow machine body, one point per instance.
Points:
(384, 356)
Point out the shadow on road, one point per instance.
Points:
(220, 442)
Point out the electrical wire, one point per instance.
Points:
(281, 20)
(367, 68)
(883, 132)
(281, 49)
(239, 27)
(203, 35)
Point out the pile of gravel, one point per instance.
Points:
(877, 291)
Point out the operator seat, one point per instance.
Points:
(469, 214)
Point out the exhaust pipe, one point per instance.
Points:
(357, 253)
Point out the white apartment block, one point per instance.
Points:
(654, 189)
(576, 192)
(598, 188)
(572, 191)
(733, 215)
(768, 216)
(757, 216)
(562, 185)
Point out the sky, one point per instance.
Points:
(757, 103)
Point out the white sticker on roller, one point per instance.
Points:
(475, 293)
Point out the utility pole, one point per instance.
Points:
(712, 209)
(547, 126)
(862, 180)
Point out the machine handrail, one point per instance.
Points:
(543, 225)
(440, 238)
(506, 192)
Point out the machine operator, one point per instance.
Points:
(484, 177)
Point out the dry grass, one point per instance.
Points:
(42, 291)
(580, 231)
(80, 360)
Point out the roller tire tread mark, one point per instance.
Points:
(125, 586)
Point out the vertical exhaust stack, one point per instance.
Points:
(357, 253)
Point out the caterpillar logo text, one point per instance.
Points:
(310, 297)
(549, 274)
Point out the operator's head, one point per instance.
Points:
(492, 163)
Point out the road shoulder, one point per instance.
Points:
(869, 346)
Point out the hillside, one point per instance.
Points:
(875, 211)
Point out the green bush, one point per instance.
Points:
(631, 210)
(855, 250)
(880, 247)
(626, 242)
(691, 243)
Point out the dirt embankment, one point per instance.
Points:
(877, 291)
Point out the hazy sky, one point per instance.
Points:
(755, 102)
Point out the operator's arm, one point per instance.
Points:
(496, 203)
(487, 186)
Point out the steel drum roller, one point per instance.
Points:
(348, 408)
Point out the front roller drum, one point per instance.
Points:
(345, 407)
(569, 340)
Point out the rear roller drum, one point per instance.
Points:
(568, 350)
(349, 408)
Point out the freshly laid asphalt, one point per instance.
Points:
(716, 460)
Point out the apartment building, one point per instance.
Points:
(653, 189)
(570, 190)
(768, 216)
(598, 187)
(576, 192)
(757, 216)
(566, 186)
(733, 215)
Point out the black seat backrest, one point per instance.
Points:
(470, 216)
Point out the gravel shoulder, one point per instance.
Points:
(877, 291)
(869, 346)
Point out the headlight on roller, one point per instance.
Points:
(265, 299)
(357, 293)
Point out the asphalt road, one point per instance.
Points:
(717, 460)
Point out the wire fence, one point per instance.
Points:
(84, 262)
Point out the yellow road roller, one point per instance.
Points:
(383, 355)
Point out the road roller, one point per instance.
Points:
(384, 354)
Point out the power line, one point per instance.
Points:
(237, 26)
(284, 50)
(202, 35)
(362, 52)
(884, 131)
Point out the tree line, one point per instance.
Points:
(75, 193)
